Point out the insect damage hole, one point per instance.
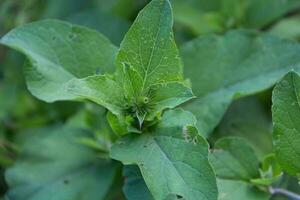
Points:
(190, 134)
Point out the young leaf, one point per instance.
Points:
(54, 166)
(148, 62)
(173, 153)
(270, 171)
(286, 122)
(58, 52)
(233, 158)
(135, 187)
(149, 73)
(240, 63)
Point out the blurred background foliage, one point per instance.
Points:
(21, 114)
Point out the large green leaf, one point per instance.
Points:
(149, 74)
(223, 68)
(233, 158)
(173, 158)
(286, 121)
(53, 165)
(59, 52)
(237, 190)
(134, 186)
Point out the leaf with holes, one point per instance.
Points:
(173, 153)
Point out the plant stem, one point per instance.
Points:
(279, 191)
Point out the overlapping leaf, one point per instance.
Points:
(233, 158)
(223, 68)
(247, 118)
(149, 72)
(236, 165)
(66, 60)
(175, 154)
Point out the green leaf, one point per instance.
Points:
(173, 158)
(198, 16)
(247, 118)
(135, 187)
(59, 52)
(237, 190)
(148, 61)
(261, 13)
(53, 165)
(149, 74)
(224, 68)
(233, 158)
(288, 28)
(236, 165)
(286, 122)
(101, 89)
(204, 16)
(270, 171)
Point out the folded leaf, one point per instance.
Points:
(173, 153)
(148, 57)
(54, 166)
(240, 63)
(100, 89)
(58, 52)
(286, 122)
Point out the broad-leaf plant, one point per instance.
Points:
(155, 108)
